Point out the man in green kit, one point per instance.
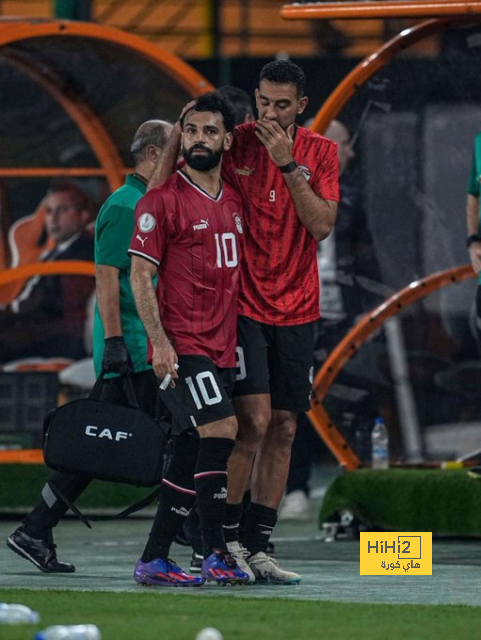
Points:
(119, 342)
(119, 339)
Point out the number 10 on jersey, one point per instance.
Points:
(226, 244)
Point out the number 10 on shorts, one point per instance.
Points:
(205, 390)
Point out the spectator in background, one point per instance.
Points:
(350, 277)
(47, 318)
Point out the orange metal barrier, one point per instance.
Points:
(181, 72)
(54, 172)
(370, 65)
(56, 267)
(21, 456)
(383, 9)
(111, 166)
(89, 124)
(350, 344)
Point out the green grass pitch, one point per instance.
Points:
(161, 615)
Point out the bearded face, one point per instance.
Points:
(202, 158)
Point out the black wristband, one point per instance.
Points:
(474, 237)
(289, 167)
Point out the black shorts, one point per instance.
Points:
(277, 360)
(202, 394)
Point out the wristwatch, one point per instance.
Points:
(474, 237)
(289, 167)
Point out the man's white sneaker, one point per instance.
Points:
(267, 570)
(295, 506)
(240, 555)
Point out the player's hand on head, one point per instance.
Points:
(276, 140)
(116, 357)
(190, 105)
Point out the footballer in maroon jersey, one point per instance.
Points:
(195, 241)
(189, 232)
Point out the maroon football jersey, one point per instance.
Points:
(279, 275)
(196, 242)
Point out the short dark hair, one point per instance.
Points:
(285, 72)
(215, 102)
(240, 100)
(79, 198)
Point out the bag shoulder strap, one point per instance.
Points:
(128, 389)
(137, 506)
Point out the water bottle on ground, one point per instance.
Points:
(380, 445)
(69, 632)
(17, 614)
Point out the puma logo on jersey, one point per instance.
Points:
(244, 171)
(142, 240)
(204, 224)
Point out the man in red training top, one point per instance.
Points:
(289, 178)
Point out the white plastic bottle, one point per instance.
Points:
(69, 632)
(380, 445)
(17, 614)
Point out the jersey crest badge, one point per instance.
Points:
(238, 222)
(306, 172)
(146, 222)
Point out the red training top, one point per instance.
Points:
(279, 276)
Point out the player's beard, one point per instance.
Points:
(202, 162)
